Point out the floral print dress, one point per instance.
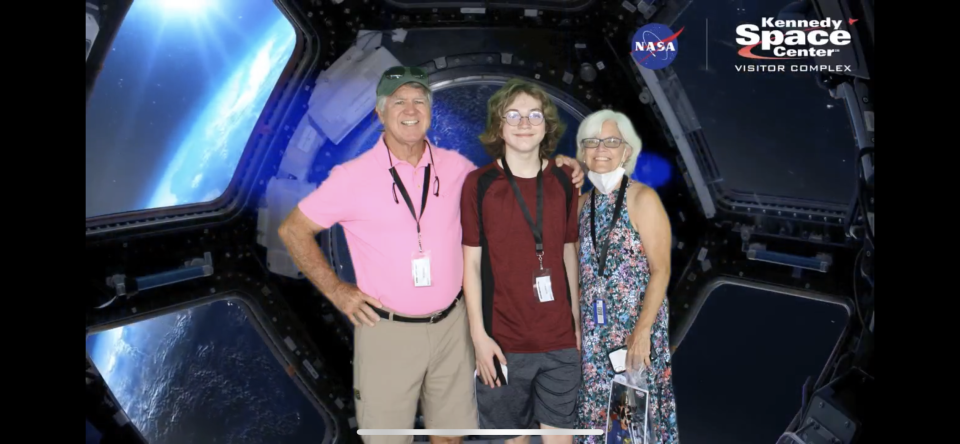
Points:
(627, 274)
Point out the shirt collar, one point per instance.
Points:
(381, 152)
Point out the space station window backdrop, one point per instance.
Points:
(459, 116)
(204, 374)
(178, 97)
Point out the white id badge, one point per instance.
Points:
(421, 269)
(542, 286)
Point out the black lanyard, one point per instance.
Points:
(538, 228)
(613, 223)
(406, 197)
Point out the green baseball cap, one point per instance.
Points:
(398, 76)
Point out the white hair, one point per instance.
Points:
(591, 126)
(382, 100)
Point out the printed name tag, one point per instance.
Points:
(421, 269)
(542, 285)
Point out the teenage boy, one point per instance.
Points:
(521, 269)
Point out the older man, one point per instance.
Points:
(399, 206)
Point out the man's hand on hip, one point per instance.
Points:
(354, 303)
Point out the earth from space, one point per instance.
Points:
(205, 375)
(204, 163)
(202, 376)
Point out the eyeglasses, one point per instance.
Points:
(513, 118)
(398, 72)
(609, 142)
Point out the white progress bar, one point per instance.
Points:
(478, 432)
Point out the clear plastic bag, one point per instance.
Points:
(628, 409)
(636, 378)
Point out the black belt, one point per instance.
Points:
(432, 319)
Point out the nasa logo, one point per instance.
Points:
(654, 46)
(813, 33)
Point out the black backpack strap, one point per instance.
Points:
(486, 270)
(565, 181)
(568, 192)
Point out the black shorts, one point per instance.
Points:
(541, 388)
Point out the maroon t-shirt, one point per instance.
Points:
(520, 322)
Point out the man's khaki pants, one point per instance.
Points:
(398, 363)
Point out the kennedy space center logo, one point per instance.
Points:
(654, 46)
(793, 39)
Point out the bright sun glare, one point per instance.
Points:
(184, 5)
(182, 12)
(176, 7)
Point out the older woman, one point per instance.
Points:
(624, 269)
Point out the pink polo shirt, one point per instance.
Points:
(381, 233)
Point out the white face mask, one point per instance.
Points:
(609, 181)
